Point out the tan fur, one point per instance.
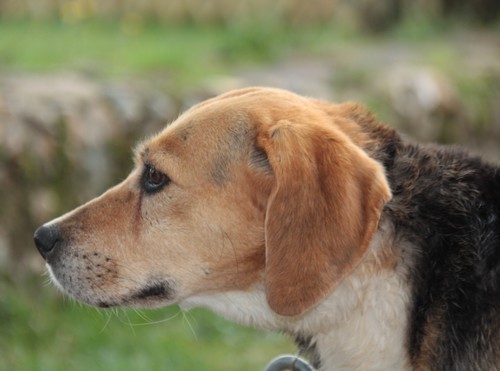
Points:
(225, 225)
(271, 215)
(325, 205)
(272, 196)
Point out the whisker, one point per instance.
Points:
(108, 320)
(141, 315)
(125, 321)
(185, 317)
(160, 321)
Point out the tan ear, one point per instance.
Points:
(321, 215)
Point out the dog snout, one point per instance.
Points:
(46, 238)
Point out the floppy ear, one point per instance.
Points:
(321, 215)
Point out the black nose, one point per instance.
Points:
(46, 238)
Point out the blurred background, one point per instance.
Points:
(82, 80)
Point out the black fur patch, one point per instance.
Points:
(220, 169)
(159, 290)
(235, 143)
(307, 347)
(447, 204)
(258, 159)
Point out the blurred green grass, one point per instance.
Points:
(41, 330)
(186, 52)
(104, 47)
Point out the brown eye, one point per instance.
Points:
(153, 180)
(154, 176)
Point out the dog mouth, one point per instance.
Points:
(94, 290)
(151, 295)
(156, 293)
(158, 290)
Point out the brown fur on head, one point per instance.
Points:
(260, 186)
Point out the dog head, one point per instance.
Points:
(256, 187)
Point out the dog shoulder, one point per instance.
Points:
(448, 203)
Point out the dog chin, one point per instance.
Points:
(53, 278)
(132, 302)
(155, 294)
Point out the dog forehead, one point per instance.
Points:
(205, 143)
(228, 121)
(256, 105)
(209, 127)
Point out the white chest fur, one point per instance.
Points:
(354, 329)
(372, 334)
(361, 326)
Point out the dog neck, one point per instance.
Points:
(361, 325)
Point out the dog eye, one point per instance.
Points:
(153, 180)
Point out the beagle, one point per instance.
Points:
(310, 218)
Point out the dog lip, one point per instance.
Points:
(159, 289)
(103, 304)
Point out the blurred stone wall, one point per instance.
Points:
(65, 138)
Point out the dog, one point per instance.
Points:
(297, 215)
